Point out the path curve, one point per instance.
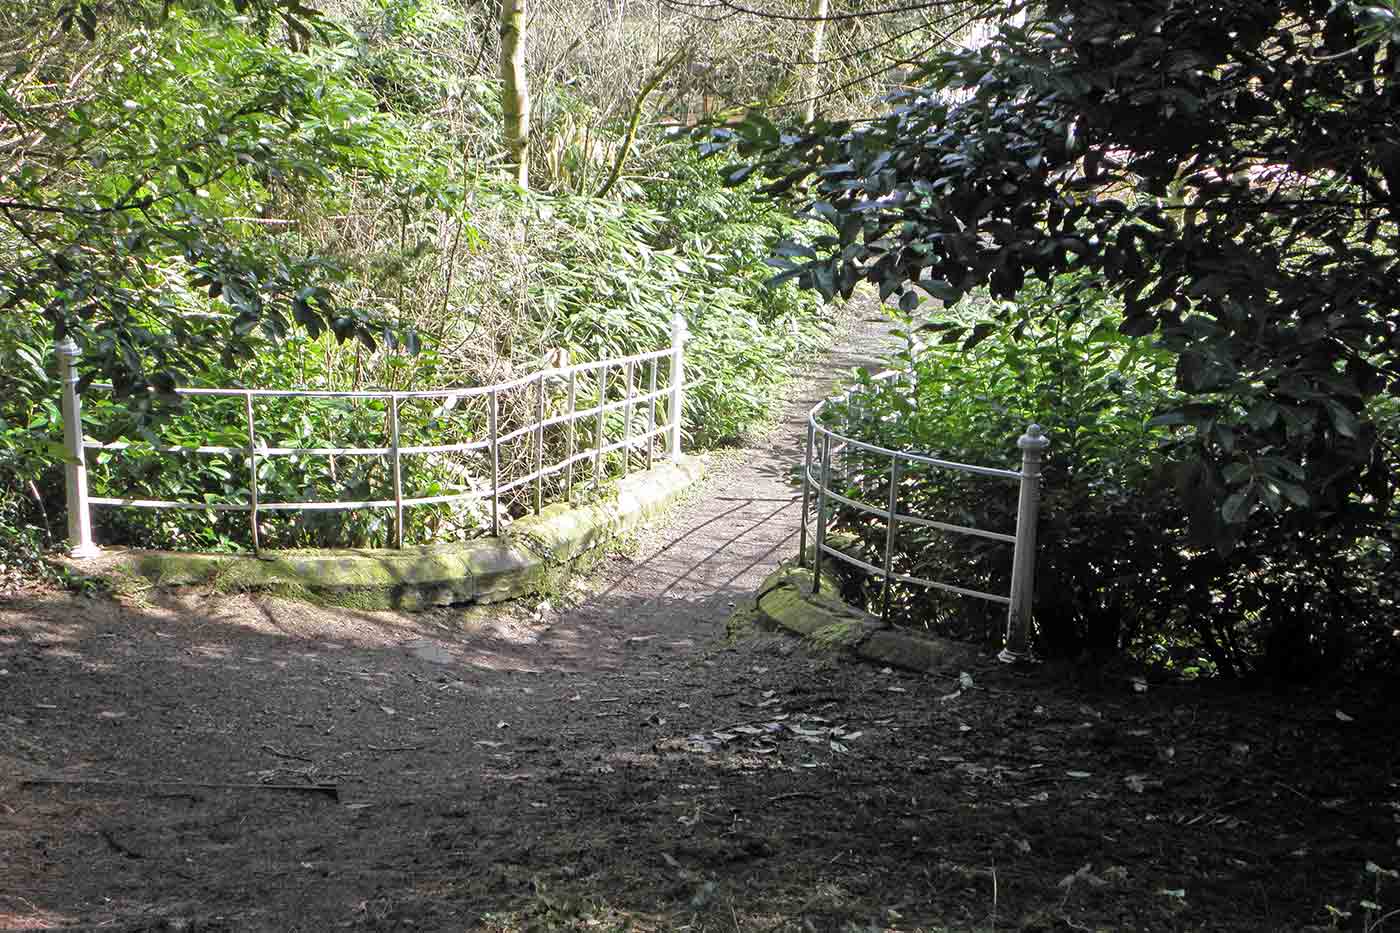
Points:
(716, 546)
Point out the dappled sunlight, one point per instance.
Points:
(19, 913)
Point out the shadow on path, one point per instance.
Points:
(716, 548)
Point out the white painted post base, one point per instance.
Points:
(80, 542)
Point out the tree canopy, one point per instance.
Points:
(1230, 171)
(180, 130)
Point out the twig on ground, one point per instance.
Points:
(273, 750)
(330, 790)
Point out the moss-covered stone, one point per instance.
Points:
(787, 601)
(486, 570)
(915, 653)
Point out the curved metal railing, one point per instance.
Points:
(640, 372)
(825, 442)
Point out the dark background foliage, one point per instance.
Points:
(1117, 567)
(1231, 172)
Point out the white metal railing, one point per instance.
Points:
(635, 369)
(824, 441)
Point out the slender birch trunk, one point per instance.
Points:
(811, 87)
(515, 89)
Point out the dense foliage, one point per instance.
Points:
(210, 199)
(1230, 171)
(1117, 568)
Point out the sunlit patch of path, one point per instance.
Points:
(686, 577)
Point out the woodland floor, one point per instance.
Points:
(610, 760)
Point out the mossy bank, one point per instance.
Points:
(536, 550)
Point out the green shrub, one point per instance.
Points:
(419, 237)
(1117, 566)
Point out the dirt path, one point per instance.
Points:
(620, 765)
(675, 591)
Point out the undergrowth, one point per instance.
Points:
(474, 281)
(1122, 565)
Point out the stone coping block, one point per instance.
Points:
(786, 601)
(485, 570)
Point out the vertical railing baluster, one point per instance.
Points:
(80, 542)
(890, 536)
(572, 433)
(821, 513)
(539, 446)
(598, 452)
(1018, 617)
(806, 497)
(493, 427)
(651, 412)
(627, 419)
(677, 384)
(252, 472)
(397, 462)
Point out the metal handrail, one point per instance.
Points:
(816, 477)
(447, 392)
(80, 502)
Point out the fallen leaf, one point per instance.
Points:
(965, 680)
(1343, 717)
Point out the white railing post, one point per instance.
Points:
(252, 471)
(627, 420)
(539, 444)
(396, 462)
(651, 414)
(890, 538)
(806, 496)
(493, 428)
(1018, 620)
(80, 543)
(573, 436)
(601, 427)
(678, 334)
(821, 514)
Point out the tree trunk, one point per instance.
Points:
(515, 90)
(811, 87)
(630, 136)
